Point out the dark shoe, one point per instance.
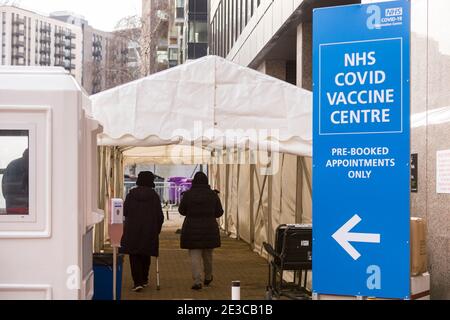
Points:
(137, 288)
(196, 287)
(207, 282)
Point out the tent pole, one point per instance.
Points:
(308, 178)
(261, 194)
(114, 273)
(227, 184)
(252, 205)
(281, 180)
(238, 234)
(299, 193)
(269, 206)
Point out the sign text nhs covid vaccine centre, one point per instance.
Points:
(362, 92)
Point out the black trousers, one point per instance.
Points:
(140, 266)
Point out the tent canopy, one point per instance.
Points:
(210, 102)
(166, 155)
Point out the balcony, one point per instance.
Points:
(69, 66)
(69, 45)
(69, 56)
(59, 54)
(59, 32)
(19, 21)
(97, 53)
(70, 35)
(97, 44)
(18, 55)
(46, 29)
(44, 61)
(19, 43)
(18, 33)
(59, 63)
(44, 48)
(45, 39)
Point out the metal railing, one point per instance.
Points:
(46, 29)
(18, 55)
(71, 35)
(19, 21)
(19, 43)
(45, 39)
(19, 32)
(44, 61)
(168, 192)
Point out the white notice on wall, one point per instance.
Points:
(443, 171)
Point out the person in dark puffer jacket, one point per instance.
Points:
(143, 222)
(200, 232)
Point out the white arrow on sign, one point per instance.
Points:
(343, 236)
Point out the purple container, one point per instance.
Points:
(174, 193)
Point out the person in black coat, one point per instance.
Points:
(200, 232)
(143, 222)
(15, 186)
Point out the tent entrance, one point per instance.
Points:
(256, 197)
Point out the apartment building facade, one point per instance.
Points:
(30, 39)
(186, 24)
(104, 54)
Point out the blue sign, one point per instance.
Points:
(361, 151)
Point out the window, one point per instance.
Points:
(173, 54)
(233, 26)
(198, 32)
(25, 177)
(241, 16)
(246, 11)
(14, 168)
(198, 6)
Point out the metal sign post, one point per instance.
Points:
(115, 233)
(114, 273)
(361, 162)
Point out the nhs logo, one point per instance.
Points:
(394, 12)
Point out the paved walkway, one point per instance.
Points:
(233, 261)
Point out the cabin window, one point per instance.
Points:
(14, 173)
(25, 171)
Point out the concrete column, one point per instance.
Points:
(274, 68)
(304, 56)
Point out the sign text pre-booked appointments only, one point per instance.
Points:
(361, 151)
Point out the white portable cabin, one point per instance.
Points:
(46, 233)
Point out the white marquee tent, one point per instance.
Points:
(209, 111)
(205, 99)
